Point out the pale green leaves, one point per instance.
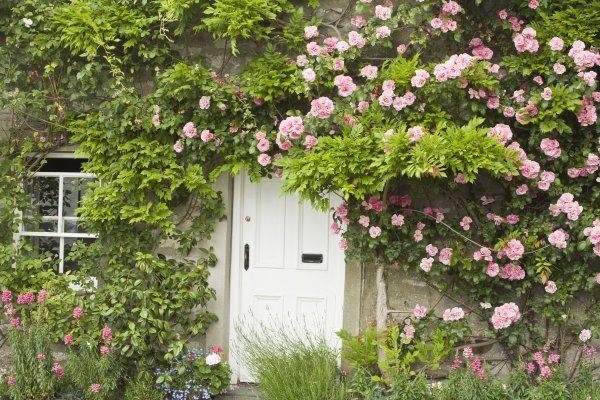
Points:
(358, 164)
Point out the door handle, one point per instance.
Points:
(246, 257)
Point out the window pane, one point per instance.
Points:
(46, 246)
(70, 265)
(73, 226)
(43, 193)
(73, 190)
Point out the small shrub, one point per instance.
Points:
(291, 364)
(30, 375)
(196, 374)
(96, 374)
(142, 387)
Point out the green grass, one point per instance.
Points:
(290, 364)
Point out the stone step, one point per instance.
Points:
(241, 392)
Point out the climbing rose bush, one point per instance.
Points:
(476, 169)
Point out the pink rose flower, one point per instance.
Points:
(426, 264)
(204, 102)
(322, 107)
(375, 231)
(505, 315)
(556, 44)
(419, 311)
(264, 159)
(492, 269)
(550, 287)
(309, 75)
(453, 314)
(397, 220)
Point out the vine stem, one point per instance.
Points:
(465, 237)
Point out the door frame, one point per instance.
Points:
(235, 284)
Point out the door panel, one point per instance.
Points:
(281, 284)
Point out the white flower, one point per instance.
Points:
(213, 359)
(27, 21)
(585, 335)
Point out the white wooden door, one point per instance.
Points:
(286, 265)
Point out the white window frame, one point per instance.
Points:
(60, 218)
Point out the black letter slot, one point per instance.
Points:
(312, 258)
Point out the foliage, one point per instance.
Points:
(195, 374)
(33, 376)
(87, 366)
(290, 362)
(465, 384)
(243, 19)
(142, 387)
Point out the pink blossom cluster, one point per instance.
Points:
(369, 72)
(480, 50)
(583, 58)
(344, 84)
(386, 98)
(453, 67)
(526, 41)
(77, 313)
(419, 311)
(587, 115)
(556, 44)
(204, 102)
(566, 205)
(540, 363)
(106, 334)
(322, 107)
(431, 250)
(383, 13)
(358, 21)
(546, 179)
(421, 76)
(291, 127)
(514, 250)
(551, 287)
(558, 238)
(585, 335)
(466, 222)
(415, 133)
(58, 371)
(453, 314)
(588, 77)
(6, 296)
(309, 142)
(406, 100)
(505, 315)
(593, 234)
(382, 32)
(529, 169)
(311, 32)
(550, 147)
(189, 130)
(26, 298)
(443, 21)
(483, 253)
(512, 272)
(501, 132)
(476, 367)
(356, 39)
(445, 256)
(426, 263)
(309, 75)
(492, 270)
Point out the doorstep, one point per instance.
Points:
(242, 391)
